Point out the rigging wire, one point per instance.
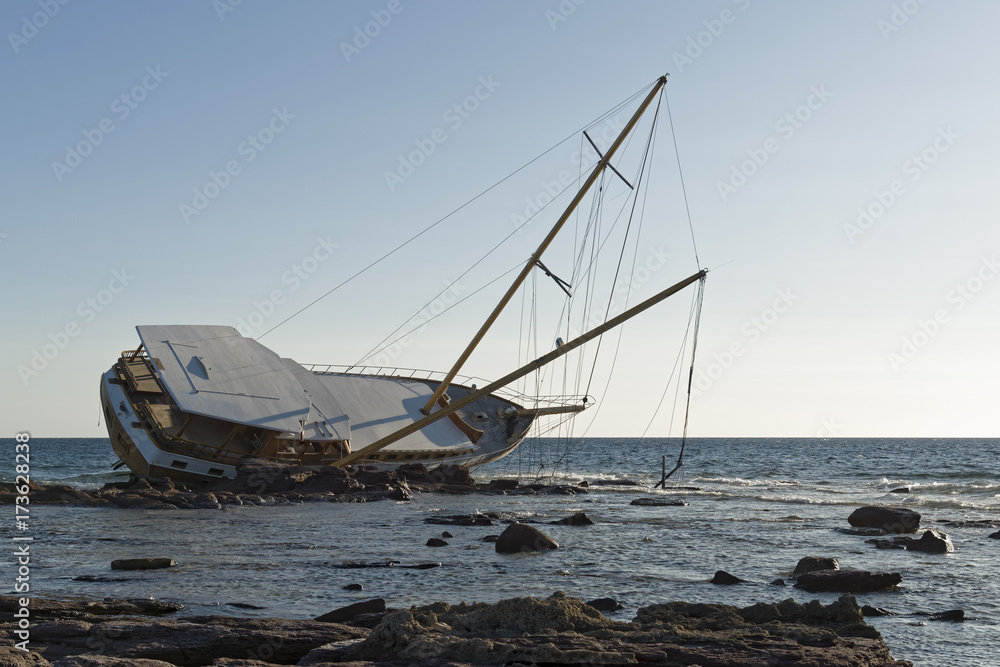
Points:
(680, 171)
(607, 114)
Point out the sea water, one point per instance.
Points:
(761, 505)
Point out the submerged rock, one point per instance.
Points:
(142, 563)
(848, 581)
(869, 610)
(658, 502)
(954, 615)
(351, 611)
(996, 535)
(578, 519)
(932, 542)
(519, 537)
(889, 519)
(436, 542)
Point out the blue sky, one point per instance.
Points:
(839, 158)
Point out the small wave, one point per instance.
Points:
(739, 481)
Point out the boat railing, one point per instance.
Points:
(467, 381)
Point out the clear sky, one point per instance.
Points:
(226, 162)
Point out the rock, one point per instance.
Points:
(503, 484)
(343, 614)
(996, 535)
(955, 615)
(436, 542)
(491, 538)
(578, 519)
(847, 581)
(461, 520)
(354, 587)
(244, 605)
(889, 519)
(932, 542)
(898, 542)
(869, 610)
(519, 537)
(142, 563)
(725, 579)
(658, 502)
(421, 566)
(98, 660)
(584, 484)
(605, 604)
(902, 489)
(446, 534)
(778, 582)
(48, 608)
(815, 563)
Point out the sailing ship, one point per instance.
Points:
(192, 401)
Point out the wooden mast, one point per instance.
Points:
(545, 244)
(520, 372)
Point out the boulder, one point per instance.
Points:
(725, 579)
(142, 563)
(519, 537)
(578, 519)
(932, 542)
(815, 563)
(344, 614)
(354, 587)
(847, 581)
(889, 519)
(605, 604)
(436, 542)
(446, 535)
(996, 535)
(902, 489)
(954, 615)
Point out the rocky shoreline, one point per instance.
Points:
(263, 482)
(557, 630)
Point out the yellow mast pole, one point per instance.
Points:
(541, 248)
(520, 372)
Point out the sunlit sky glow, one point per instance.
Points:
(168, 163)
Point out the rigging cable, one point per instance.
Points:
(680, 171)
(442, 219)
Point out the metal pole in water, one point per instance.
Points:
(663, 475)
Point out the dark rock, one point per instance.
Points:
(974, 523)
(869, 610)
(860, 531)
(778, 582)
(847, 581)
(503, 484)
(354, 587)
(142, 563)
(815, 563)
(343, 614)
(898, 542)
(421, 566)
(889, 519)
(658, 502)
(605, 604)
(519, 537)
(578, 519)
(365, 565)
(436, 542)
(461, 520)
(244, 605)
(491, 538)
(45, 608)
(725, 579)
(584, 484)
(955, 615)
(446, 534)
(996, 535)
(932, 542)
(902, 489)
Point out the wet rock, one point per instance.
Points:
(723, 578)
(869, 610)
(815, 563)
(578, 519)
(519, 537)
(932, 542)
(848, 581)
(902, 489)
(363, 565)
(99, 660)
(954, 615)
(605, 604)
(889, 519)
(436, 542)
(491, 538)
(658, 502)
(778, 582)
(446, 534)
(860, 531)
(354, 587)
(503, 484)
(46, 608)
(421, 566)
(584, 484)
(996, 535)
(974, 523)
(244, 605)
(898, 542)
(461, 520)
(351, 611)
(142, 563)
